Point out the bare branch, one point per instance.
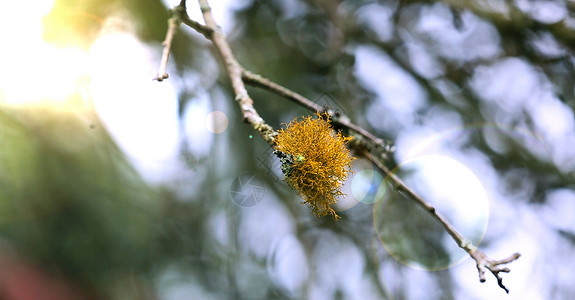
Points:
(369, 143)
(484, 262)
(377, 145)
(204, 30)
(178, 15)
(262, 82)
(234, 71)
(481, 260)
(173, 24)
(403, 188)
(372, 142)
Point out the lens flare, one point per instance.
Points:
(411, 235)
(217, 122)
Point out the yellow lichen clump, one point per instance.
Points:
(315, 161)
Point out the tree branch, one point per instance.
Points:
(262, 82)
(173, 24)
(368, 140)
(234, 71)
(371, 144)
(178, 15)
(481, 260)
(204, 30)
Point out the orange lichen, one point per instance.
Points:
(315, 161)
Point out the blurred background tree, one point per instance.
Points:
(118, 187)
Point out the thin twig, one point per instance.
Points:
(178, 15)
(234, 71)
(262, 82)
(482, 261)
(338, 118)
(173, 24)
(204, 30)
(398, 184)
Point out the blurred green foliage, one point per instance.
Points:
(79, 22)
(69, 200)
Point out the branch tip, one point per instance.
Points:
(173, 23)
(161, 77)
(483, 262)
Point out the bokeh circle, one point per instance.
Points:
(217, 122)
(368, 186)
(410, 234)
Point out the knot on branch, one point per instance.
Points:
(483, 262)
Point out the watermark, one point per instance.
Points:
(271, 163)
(327, 101)
(247, 190)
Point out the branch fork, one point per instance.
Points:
(178, 15)
(483, 262)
